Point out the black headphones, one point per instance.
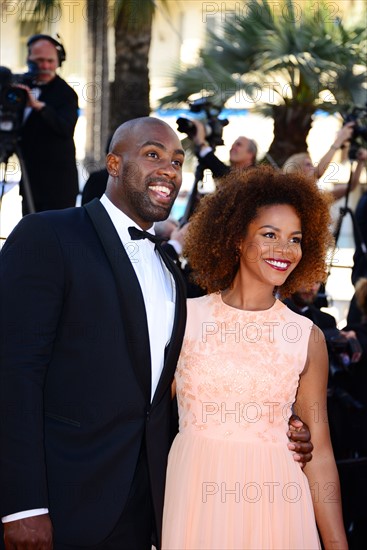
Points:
(61, 54)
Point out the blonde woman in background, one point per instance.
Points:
(302, 163)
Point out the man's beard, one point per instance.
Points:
(140, 200)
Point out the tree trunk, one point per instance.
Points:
(97, 88)
(130, 90)
(292, 124)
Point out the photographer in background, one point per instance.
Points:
(344, 351)
(47, 143)
(360, 234)
(360, 329)
(302, 163)
(242, 154)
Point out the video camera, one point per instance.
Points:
(209, 118)
(12, 99)
(358, 115)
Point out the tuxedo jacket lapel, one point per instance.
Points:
(173, 348)
(129, 294)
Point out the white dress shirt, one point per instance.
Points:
(156, 283)
(159, 293)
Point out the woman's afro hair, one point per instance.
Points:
(222, 218)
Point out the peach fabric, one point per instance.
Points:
(232, 483)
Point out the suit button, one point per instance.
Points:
(148, 415)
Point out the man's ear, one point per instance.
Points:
(113, 163)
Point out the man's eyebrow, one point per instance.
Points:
(160, 145)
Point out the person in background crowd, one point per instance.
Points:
(96, 184)
(359, 268)
(344, 351)
(353, 472)
(174, 248)
(302, 301)
(302, 163)
(359, 370)
(242, 153)
(47, 143)
(165, 229)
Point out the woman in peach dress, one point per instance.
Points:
(247, 361)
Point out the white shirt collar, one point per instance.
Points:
(121, 221)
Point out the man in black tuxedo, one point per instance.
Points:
(47, 143)
(92, 319)
(92, 325)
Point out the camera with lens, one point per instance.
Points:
(208, 116)
(358, 115)
(13, 100)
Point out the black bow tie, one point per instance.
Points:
(137, 234)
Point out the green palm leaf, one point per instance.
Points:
(309, 58)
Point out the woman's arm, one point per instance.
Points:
(321, 472)
(344, 134)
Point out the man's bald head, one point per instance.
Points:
(145, 169)
(129, 129)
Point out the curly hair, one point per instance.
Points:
(222, 219)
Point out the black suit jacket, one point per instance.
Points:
(75, 374)
(48, 149)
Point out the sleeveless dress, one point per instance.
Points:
(232, 482)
